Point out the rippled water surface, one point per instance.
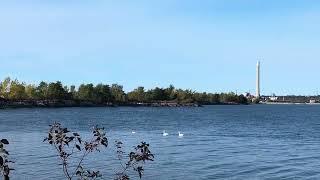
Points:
(220, 142)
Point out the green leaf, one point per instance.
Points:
(6, 152)
(1, 161)
(78, 147)
(4, 141)
(79, 139)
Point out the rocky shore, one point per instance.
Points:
(71, 103)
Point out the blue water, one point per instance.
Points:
(220, 142)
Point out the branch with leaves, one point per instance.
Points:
(136, 160)
(68, 144)
(4, 161)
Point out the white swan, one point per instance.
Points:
(164, 133)
(180, 135)
(133, 132)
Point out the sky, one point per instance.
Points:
(207, 45)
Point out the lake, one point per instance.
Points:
(220, 142)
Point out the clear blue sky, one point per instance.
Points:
(207, 45)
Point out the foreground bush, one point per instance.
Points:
(4, 161)
(68, 144)
(71, 147)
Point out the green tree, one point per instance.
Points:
(31, 92)
(56, 91)
(229, 98)
(5, 87)
(118, 94)
(73, 91)
(171, 92)
(214, 98)
(137, 95)
(242, 99)
(102, 94)
(157, 94)
(42, 91)
(85, 92)
(201, 98)
(185, 96)
(17, 91)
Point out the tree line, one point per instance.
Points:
(14, 90)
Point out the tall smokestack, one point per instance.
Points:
(258, 80)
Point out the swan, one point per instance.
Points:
(164, 133)
(133, 132)
(180, 135)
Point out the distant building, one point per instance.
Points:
(258, 80)
(312, 101)
(273, 98)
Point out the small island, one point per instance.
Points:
(15, 94)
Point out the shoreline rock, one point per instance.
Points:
(70, 103)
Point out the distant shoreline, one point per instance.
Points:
(287, 103)
(16, 94)
(68, 103)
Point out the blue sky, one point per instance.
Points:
(207, 45)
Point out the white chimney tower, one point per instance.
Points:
(258, 80)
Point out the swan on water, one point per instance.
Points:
(164, 133)
(133, 132)
(180, 135)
